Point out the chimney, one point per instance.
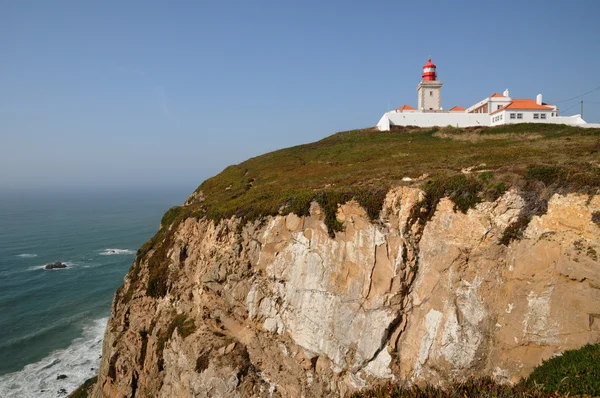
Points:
(505, 93)
(538, 99)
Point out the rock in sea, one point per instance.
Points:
(56, 264)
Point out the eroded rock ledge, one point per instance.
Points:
(278, 308)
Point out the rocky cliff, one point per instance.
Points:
(279, 307)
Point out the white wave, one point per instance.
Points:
(27, 255)
(76, 362)
(112, 252)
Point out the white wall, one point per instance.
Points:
(384, 123)
(455, 119)
(499, 118)
(574, 120)
(419, 119)
(496, 102)
(527, 116)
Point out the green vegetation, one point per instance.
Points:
(574, 372)
(184, 326)
(464, 191)
(515, 230)
(364, 163)
(591, 252)
(472, 388)
(202, 362)
(596, 217)
(371, 201)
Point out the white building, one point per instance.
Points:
(523, 111)
(495, 110)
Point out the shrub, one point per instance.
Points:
(84, 390)
(546, 174)
(486, 176)
(370, 200)
(170, 215)
(573, 372)
(515, 230)
(462, 190)
(202, 362)
(596, 217)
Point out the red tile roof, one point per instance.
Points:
(457, 108)
(406, 108)
(524, 104)
(497, 95)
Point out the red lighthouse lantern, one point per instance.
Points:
(429, 71)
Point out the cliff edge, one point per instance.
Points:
(343, 284)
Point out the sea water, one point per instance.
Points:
(52, 321)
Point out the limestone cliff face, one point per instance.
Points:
(279, 308)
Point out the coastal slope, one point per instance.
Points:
(417, 256)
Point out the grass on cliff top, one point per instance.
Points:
(361, 162)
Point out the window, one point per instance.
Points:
(542, 115)
(519, 116)
(536, 115)
(431, 93)
(513, 115)
(499, 106)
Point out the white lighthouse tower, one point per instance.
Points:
(429, 89)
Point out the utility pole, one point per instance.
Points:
(582, 109)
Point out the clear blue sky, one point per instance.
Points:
(149, 93)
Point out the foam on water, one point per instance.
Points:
(78, 362)
(112, 252)
(27, 255)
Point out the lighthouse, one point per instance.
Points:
(429, 89)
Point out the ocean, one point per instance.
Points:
(52, 321)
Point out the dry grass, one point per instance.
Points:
(473, 136)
